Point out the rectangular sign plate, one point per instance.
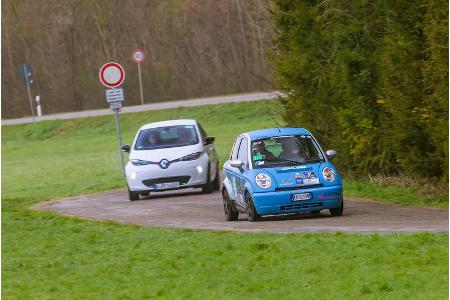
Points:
(115, 106)
(114, 95)
(25, 74)
(301, 197)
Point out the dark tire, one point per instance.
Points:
(146, 194)
(315, 212)
(216, 181)
(253, 216)
(338, 211)
(208, 187)
(133, 195)
(230, 213)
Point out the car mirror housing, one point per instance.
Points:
(236, 164)
(209, 140)
(331, 154)
(125, 148)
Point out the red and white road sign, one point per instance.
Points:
(111, 74)
(138, 56)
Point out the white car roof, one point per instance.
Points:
(169, 123)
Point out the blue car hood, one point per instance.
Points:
(303, 175)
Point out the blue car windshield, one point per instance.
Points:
(166, 137)
(285, 150)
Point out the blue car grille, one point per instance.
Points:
(298, 187)
(300, 206)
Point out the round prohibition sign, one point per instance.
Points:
(111, 74)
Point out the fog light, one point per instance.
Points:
(199, 169)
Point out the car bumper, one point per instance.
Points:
(280, 202)
(188, 174)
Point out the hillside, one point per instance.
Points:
(193, 48)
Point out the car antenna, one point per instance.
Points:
(274, 121)
(276, 124)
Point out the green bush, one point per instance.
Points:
(369, 79)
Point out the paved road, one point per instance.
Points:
(155, 106)
(191, 209)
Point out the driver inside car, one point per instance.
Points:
(262, 150)
(154, 138)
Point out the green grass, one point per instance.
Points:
(411, 195)
(48, 256)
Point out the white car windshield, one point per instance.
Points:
(285, 150)
(166, 137)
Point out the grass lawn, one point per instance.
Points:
(47, 256)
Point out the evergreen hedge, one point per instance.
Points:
(369, 79)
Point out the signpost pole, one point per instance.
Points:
(119, 138)
(112, 76)
(25, 72)
(140, 84)
(138, 57)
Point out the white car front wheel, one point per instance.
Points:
(133, 195)
(211, 185)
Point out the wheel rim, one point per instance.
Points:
(226, 208)
(226, 205)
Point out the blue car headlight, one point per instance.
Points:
(329, 174)
(139, 162)
(263, 180)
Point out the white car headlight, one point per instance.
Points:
(263, 180)
(139, 162)
(328, 174)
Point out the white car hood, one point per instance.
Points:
(156, 155)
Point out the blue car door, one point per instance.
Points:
(229, 171)
(239, 178)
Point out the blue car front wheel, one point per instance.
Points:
(253, 215)
(338, 211)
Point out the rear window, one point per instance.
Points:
(167, 137)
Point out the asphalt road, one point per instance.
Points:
(192, 209)
(154, 106)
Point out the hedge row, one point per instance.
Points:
(369, 79)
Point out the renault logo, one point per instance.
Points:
(164, 164)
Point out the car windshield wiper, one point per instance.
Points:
(312, 161)
(281, 161)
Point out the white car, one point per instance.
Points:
(171, 155)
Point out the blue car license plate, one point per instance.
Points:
(301, 197)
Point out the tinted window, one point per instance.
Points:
(243, 152)
(285, 150)
(166, 137)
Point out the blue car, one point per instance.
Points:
(280, 171)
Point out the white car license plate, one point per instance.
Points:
(167, 185)
(301, 197)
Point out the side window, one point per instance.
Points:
(202, 131)
(234, 152)
(243, 152)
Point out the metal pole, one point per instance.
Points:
(140, 84)
(29, 92)
(119, 138)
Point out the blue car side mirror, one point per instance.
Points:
(235, 163)
(330, 153)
